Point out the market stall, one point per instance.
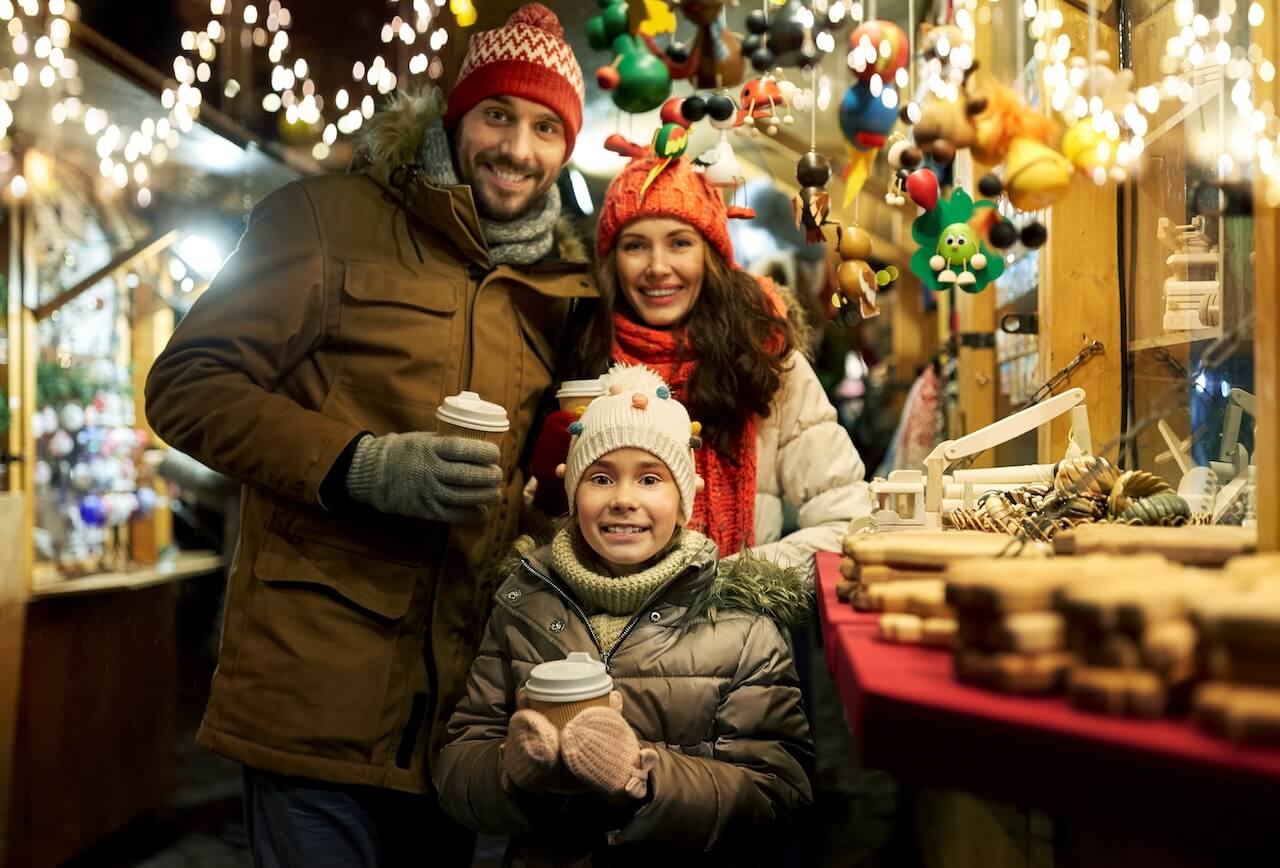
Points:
(98, 265)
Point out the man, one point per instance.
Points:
(311, 371)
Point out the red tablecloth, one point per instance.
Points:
(911, 716)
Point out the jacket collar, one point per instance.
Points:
(688, 585)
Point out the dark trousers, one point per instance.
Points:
(302, 823)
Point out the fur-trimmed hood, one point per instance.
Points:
(394, 137)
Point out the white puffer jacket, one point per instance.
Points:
(805, 458)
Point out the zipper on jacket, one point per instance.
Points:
(606, 657)
(622, 637)
(595, 640)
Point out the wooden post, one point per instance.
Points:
(1266, 341)
(1079, 299)
(13, 592)
(976, 314)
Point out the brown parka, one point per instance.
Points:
(706, 678)
(348, 634)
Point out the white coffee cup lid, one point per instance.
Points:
(580, 388)
(469, 410)
(573, 679)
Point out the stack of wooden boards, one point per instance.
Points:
(1133, 621)
(1240, 654)
(902, 576)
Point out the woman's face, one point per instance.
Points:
(660, 269)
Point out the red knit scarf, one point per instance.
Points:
(725, 509)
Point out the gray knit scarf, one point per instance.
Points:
(523, 241)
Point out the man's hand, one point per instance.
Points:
(423, 475)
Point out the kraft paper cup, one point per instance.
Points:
(562, 689)
(573, 394)
(468, 415)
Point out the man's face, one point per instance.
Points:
(509, 150)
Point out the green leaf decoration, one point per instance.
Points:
(959, 207)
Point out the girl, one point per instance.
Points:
(704, 749)
(673, 299)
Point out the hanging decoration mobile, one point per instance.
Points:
(637, 79)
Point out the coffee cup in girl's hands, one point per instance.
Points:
(561, 689)
(466, 414)
(573, 394)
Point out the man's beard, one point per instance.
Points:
(495, 207)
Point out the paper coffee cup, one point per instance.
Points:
(573, 394)
(561, 689)
(466, 414)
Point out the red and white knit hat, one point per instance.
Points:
(526, 58)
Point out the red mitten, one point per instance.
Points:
(550, 451)
(530, 752)
(601, 750)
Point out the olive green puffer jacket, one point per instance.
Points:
(707, 680)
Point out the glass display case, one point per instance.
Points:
(1187, 262)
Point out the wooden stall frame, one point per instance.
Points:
(1079, 302)
(1266, 336)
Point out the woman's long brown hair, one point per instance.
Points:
(741, 346)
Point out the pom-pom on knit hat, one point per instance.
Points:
(636, 412)
(678, 192)
(526, 58)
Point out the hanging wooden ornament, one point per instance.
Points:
(761, 99)
(877, 48)
(791, 37)
(865, 120)
(637, 80)
(856, 280)
(902, 157)
(812, 204)
(951, 252)
(715, 58)
(720, 163)
(1036, 175)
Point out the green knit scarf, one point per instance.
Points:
(611, 601)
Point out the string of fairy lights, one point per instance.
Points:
(39, 34)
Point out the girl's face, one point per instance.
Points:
(628, 507)
(661, 263)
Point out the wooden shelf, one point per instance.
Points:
(1174, 339)
(184, 566)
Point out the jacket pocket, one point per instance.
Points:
(399, 333)
(378, 587)
(324, 657)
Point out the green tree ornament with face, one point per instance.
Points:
(957, 250)
(951, 251)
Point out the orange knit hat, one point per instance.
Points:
(677, 192)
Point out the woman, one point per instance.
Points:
(673, 299)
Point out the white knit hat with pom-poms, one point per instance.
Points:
(636, 411)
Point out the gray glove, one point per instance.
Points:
(423, 475)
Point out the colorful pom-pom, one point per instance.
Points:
(578, 411)
(640, 401)
(696, 428)
(664, 393)
(575, 428)
(695, 442)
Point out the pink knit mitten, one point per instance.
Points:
(530, 752)
(601, 750)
